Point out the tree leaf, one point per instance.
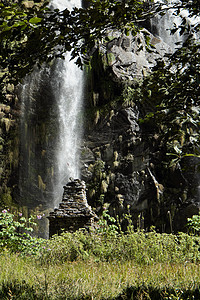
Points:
(35, 20)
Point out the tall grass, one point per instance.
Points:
(84, 265)
(91, 280)
(141, 247)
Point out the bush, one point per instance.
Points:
(141, 247)
(194, 224)
(15, 233)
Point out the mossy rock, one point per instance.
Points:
(110, 59)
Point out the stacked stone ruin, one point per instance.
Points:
(73, 212)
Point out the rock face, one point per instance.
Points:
(122, 166)
(122, 161)
(118, 172)
(128, 56)
(9, 146)
(73, 212)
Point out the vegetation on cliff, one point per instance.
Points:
(169, 100)
(32, 33)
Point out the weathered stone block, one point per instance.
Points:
(73, 212)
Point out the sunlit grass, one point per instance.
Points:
(94, 280)
(100, 264)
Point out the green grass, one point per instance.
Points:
(105, 266)
(141, 247)
(93, 280)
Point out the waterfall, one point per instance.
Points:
(62, 4)
(161, 25)
(51, 104)
(68, 87)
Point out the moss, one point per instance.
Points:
(6, 198)
(110, 59)
(41, 184)
(28, 4)
(104, 186)
(10, 88)
(97, 117)
(7, 123)
(9, 148)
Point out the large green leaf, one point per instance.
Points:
(35, 20)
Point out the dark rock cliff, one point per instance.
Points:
(121, 158)
(9, 146)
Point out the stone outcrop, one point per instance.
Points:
(122, 166)
(128, 56)
(117, 174)
(73, 212)
(122, 161)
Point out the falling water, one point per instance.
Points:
(162, 24)
(51, 104)
(68, 87)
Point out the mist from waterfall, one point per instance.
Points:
(163, 24)
(68, 88)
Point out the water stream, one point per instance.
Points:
(68, 88)
(51, 105)
(162, 24)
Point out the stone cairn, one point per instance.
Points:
(73, 212)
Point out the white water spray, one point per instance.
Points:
(163, 24)
(68, 87)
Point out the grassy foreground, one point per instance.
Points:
(25, 279)
(137, 265)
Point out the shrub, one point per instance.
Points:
(15, 233)
(194, 224)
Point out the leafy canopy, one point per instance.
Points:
(38, 34)
(170, 98)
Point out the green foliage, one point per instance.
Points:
(140, 247)
(105, 243)
(14, 233)
(194, 224)
(107, 224)
(38, 34)
(101, 265)
(170, 102)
